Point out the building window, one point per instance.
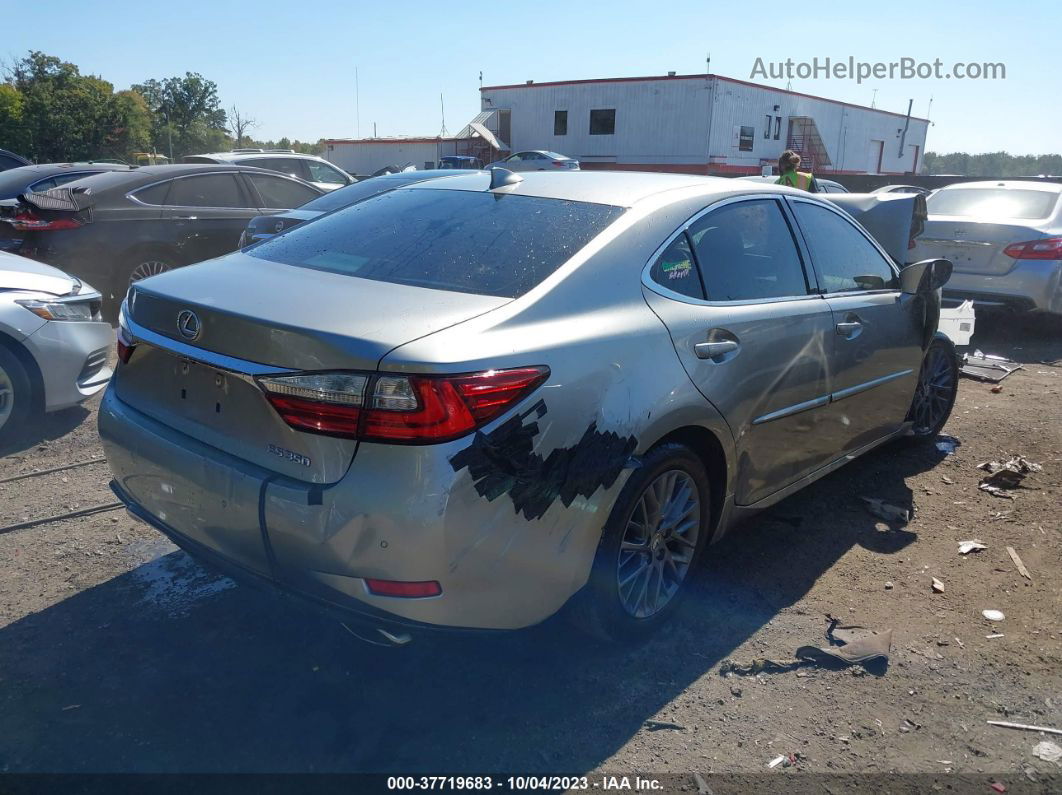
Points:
(560, 122)
(603, 122)
(777, 127)
(745, 138)
(767, 128)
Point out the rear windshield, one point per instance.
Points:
(463, 241)
(998, 202)
(359, 191)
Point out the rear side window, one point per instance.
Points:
(281, 194)
(676, 270)
(998, 202)
(746, 252)
(284, 165)
(462, 241)
(845, 260)
(351, 194)
(153, 194)
(208, 190)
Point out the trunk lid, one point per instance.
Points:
(972, 246)
(255, 317)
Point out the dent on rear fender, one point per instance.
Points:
(504, 462)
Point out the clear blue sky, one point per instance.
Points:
(291, 66)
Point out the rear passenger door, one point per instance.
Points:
(207, 213)
(876, 345)
(753, 335)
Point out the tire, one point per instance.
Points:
(616, 603)
(19, 406)
(938, 384)
(137, 264)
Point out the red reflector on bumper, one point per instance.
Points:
(408, 590)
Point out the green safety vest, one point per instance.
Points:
(796, 179)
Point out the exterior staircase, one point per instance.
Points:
(804, 139)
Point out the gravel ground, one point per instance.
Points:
(120, 654)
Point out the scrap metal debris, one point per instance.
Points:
(974, 545)
(887, 511)
(1023, 726)
(1048, 751)
(985, 367)
(938, 586)
(1024, 572)
(1004, 477)
(859, 646)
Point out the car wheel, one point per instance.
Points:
(938, 383)
(148, 265)
(18, 403)
(650, 545)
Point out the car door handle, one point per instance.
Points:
(185, 218)
(848, 327)
(710, 350)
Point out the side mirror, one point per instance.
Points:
(925, 276)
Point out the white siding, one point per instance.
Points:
(666, 122)
(365, 157)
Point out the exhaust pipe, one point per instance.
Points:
(389, 639)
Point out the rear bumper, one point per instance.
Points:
(1029, 285)
(400, 513)
(72, 358)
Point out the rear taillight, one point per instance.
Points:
(125, 344)
(28, 222)
(405, 409)
(1045, 248)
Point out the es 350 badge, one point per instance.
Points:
(289, 455)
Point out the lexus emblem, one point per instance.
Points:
(188, 324)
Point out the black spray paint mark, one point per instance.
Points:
(504, 462)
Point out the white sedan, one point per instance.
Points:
(537, 160)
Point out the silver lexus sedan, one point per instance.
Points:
(469, 402)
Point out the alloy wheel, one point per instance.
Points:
(936, 384)
(7, 397)
(658, 543)
(146, 269)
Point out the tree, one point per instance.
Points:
(187, 111)
(239, 124)
(12, 123)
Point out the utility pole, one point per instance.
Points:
(874, 99)
(357, 105)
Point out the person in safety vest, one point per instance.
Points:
(788, 164)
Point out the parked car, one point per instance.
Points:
(460, 161)
(53, 344)
(902, 189)
(537, 160)
(285, 161)
(824, 185)
(471, 401)
(120, 226)
(263, 227)
(46, 176)
(1005, 240)
(11, 160)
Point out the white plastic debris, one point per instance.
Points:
(776, 761)
(958, 322)
(993, 615)
(974, 545)
(1048, 751)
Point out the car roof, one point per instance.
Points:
(617, 188)
(1008, 184)
(46, 169)
(233, 156)
(145, 175)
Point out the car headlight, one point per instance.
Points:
(62, 310)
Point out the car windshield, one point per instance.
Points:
(359, 191)
(997, 202)
(462, 241)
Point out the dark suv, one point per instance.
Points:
(121, 226)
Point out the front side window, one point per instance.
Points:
(560, 122)
(462, 241)
(281, 194)
(676, 270)
(603, 122)
(207, 190)
(844, 259)
(322, 172)
(746, 252)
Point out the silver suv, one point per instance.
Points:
(312, 169)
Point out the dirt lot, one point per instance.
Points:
(117, 653)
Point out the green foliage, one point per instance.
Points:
(12, 124)
(187, 115)
(993, 165)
